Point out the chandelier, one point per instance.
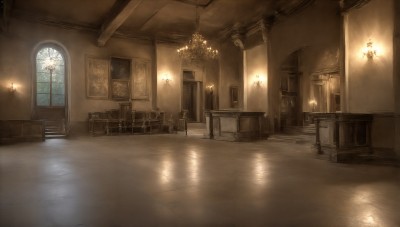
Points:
(197, 49)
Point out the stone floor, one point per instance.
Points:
(174, 180)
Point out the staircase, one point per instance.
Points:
(296, 134)
(54, 128)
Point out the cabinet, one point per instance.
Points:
(22, 130)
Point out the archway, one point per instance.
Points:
(50, 88)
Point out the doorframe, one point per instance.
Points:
(323, 79)
(68, 83)
(200, 95)
(198, 99)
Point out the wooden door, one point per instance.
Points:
(189, 98)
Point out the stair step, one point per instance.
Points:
(378, 159)
(53, 128)
(292, 138)
(301, 130)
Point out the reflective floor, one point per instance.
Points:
(173, 180)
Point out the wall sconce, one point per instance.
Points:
(166, 78)
(258, 81)
(210, 87)
(12, 88)
(370, 50)
(313, 104)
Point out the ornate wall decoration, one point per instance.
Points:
(120, 68)
(141, 79)
(120, 89)
(97, 78)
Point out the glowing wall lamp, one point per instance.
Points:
(313, 104)
(166, 78)
(370, 50)
(12, 88)
(258, 81)
(210, 87)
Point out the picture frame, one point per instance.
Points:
(234, 96)
(120, 68)
(141, 78)
(97, 77)
(120, 90)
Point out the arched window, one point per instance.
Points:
(50, 78)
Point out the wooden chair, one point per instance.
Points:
(155, 120)
(97, 122)
(182, 121)
(125, 114)
(114, 122)
(138, 121)
(168, 123)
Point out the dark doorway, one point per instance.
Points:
(189, 99)
(289, 92)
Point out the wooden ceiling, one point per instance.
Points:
(161, 19)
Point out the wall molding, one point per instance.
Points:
(348, 5)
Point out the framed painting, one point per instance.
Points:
(141, 79)
(120, 90)
(234, 96)
(97, 79)
(120, 68)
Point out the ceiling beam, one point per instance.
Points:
(119, 16)
(156, 10)
(5, 12)
(196, 3)
(348, 5)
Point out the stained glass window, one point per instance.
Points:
(50, 78)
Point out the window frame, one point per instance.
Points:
(35, 91)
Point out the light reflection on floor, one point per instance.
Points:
(362, 205)
(173, 180)
(259, 169)
(167, 168)
(193, 167)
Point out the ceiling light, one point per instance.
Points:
(196, 49)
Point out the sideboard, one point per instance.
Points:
(235, 125)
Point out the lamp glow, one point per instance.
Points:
(210, 87)
(196, 49)
(313, 104)
(370, 51)
(258, 81)
(12, 88)
(166, 78)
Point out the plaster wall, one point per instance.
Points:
(370, 81)
(212, 71)
(256, 61)
(231, 71)
(316, 30)
(169, 63)
(16, 65)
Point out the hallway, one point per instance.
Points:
(174, 180)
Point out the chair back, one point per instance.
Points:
(124, 109)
